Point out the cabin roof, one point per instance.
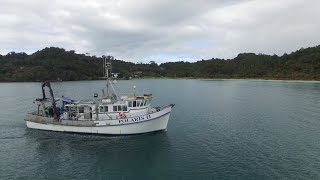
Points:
(68, 100)
(140, 97)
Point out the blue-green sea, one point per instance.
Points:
(219, 129)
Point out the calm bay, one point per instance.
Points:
(219, 129)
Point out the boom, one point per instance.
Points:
(47, 83)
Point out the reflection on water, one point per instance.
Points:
(100, 156)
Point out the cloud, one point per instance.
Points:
(161, 30)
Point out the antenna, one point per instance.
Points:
(134, 90)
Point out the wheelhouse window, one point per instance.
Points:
(141, 103)
(134, 104)
(130, 103)
(120, 108)
(103, 109)
(81, 109)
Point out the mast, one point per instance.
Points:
(107, 66)
(107, 73)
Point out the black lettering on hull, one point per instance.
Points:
(135, 119)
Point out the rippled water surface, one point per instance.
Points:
(233, 129)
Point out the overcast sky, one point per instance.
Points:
(160, 30)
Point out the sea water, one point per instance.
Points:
(222, 129)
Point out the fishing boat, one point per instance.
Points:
(108, 114)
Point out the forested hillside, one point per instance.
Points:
(58, 64)
(302, 64)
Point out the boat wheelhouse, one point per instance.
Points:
(108, 109)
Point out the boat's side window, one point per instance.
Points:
(105, 108)
(101, 109)
(134, 103)
(145, 102)
(130, 103)
(142, 103)
(120, 108)
(81, 109)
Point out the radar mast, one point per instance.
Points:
(107, 73)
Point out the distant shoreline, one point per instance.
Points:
(234, 79)
(187, 78)
(56, 63)
(270, 80)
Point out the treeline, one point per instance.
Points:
(58, 64)
(303, 64)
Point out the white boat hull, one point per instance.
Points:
(135, 125)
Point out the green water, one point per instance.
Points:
(233, 129)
